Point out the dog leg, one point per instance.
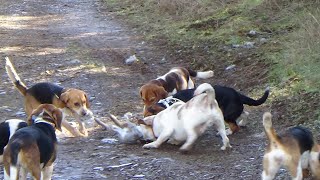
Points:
(47, 172)
(23, 174)
(220, 127)
(82, 127)
(71, 129)
(244, 119)
(6, 175)
(164, 136)
(270, 167)
(295, 169)
(233, 128)
(192, 137)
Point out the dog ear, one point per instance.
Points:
(161, 93)
(87, 101)
(65, 97)
(57, 116)
(35, 112)
(149, 120)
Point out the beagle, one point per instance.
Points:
(71, 101)
(314, 161)
(182, 122)
(33, 148)
(176, 79)
(289, 149)
(230, 101)
(7, 129)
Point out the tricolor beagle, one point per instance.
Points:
(290, 150)
(71, 101)
(176, 79)
(33, 148)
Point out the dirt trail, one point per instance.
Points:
(74, 44)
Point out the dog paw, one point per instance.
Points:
(228, 132)
(150, 146)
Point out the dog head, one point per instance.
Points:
(152, 93)
(314, 161)
(153, 110)
(49, 113)
(77, 101)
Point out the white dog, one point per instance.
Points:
(181, 122)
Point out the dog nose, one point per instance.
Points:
(83, 113)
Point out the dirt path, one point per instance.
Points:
(74, 44)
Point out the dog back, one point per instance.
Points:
(44, 92)
(40, 134)
(303, 136)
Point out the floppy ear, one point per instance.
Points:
(149, 120)
(65, 97)
(87, 101)
(35, 112)
(161, 93)
(57, 116)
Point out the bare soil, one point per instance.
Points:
(78, 44)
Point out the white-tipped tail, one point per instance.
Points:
(205, 74)
(267, 122)
(11, 71)
(208, 89)
(204, 87)
(13, 172)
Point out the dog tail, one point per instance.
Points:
(15, 78)
(205, 87)
(252, 102)
(201, 75)
(15, 148)
(267, 124)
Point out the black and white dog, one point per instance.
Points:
(33, 148)
(230, 102)
(7, 129)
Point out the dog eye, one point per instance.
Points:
(77, 104)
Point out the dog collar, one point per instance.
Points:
(40, 120)
(168, 101)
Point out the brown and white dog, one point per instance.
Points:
(7, 129)
(314, 161)
(182, 122)
(176, 79)
(33, 148)
(290, 150)
(71, 101)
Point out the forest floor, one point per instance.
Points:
(77, 44)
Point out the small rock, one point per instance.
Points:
(248, 45)
(20, 114)
(235, 45)
(131, 59)
(252, 33)
(263, 40)
(230, 67)
(98, 168)
(138, 176)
